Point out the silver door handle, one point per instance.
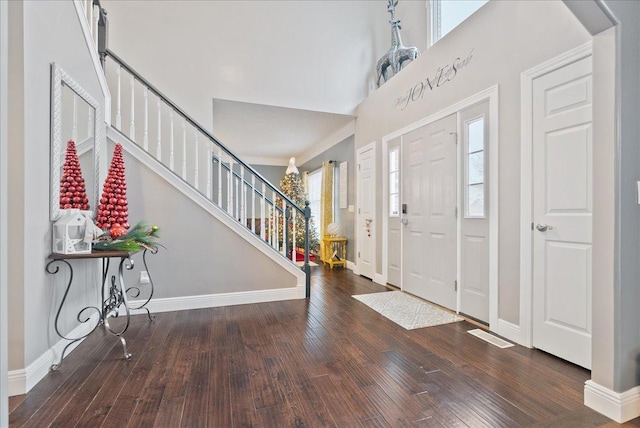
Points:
(543, 227)
(404, 221)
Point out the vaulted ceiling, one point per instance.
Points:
(262, 64)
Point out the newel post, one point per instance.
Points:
(307, 268)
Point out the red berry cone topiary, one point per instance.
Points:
(113, 209)
(73, 193)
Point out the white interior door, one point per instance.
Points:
(474, 212)
(562, 212)
(366, 211)
(394, 239)
(429, 170)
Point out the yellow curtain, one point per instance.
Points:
(326, 202)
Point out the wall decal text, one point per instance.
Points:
(442, 75)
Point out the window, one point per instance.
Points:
(448, 14)
(474, 167)
(314, 181)
(394, 182)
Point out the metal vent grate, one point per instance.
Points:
(487, 337)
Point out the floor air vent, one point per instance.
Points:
(487, 337)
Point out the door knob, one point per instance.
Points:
(543, 227)
(404, 221)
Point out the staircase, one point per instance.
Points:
(157, 127)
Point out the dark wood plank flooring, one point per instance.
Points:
(330, 361)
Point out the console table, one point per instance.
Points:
(113, 303)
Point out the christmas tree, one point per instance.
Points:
(72, 189)
(291, 185)
(113, 210)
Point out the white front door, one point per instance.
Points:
(394, 241)
(429, 262)
(366, 211)
(474, 212)
(562, 212)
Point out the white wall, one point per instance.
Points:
(40, 33)
(312, 55)
(505, 38)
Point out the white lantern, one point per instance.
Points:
(69, 234)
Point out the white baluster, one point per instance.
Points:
(294, 213)
(209, 169)
(236, 211)
(118, 100)
(74, 120)
(219, 177)
(253, 203)
(276, 221)
(94, 28)
(171, 149)
(184, 149)
(132, 127)
(88, 10)
(159, 144)
(243, 200)
(145, 137)
(230, 188)
(284, 228)
(196, 178)
(264, 224)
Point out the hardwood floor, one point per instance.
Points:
(330, 361)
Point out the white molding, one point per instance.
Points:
(526, 181)
(619, 406)
(325, 144)
(204, 203)
(356, 269)
(21, 381)
(223, 299)
(258, 160)
(508, 330)
(351, 266)
(379, 279)
(95, 58)
(492, 95)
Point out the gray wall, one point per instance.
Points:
(34, 43)
(341, 152)
(271, 173)
(202, 255)
(528, 34)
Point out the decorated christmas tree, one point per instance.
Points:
(113, 210)
(73, 193)
(291, 185)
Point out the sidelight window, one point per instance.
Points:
(394, 182)
(474, 168)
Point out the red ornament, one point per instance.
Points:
(113, 210)
(72, 190)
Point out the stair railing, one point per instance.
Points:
(183, 146)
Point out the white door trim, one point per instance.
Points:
(526, 182)
(359, 239)
(492, 95)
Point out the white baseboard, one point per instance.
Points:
(379, 279)
(619, 406)
(356, 269)
(351, 266)
(223, 299)
(509, 331)
(22, 380)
